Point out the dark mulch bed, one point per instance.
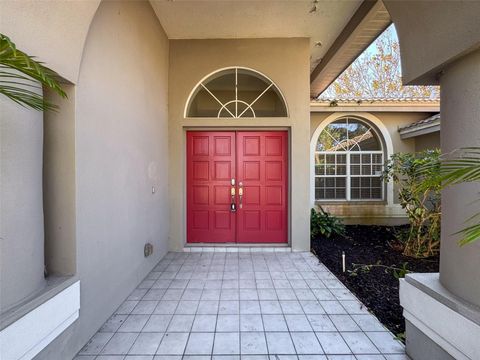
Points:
(377, 289)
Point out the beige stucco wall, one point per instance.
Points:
(53, 31)
(427, 141)
(286, 62)
(21, 208)
(432, 34)
(121, 152)
(380, 212)
(34, 26)
(59, 184)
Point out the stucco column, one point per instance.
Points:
(460, 114)
(21, 203)
(442, 310)
(439, 45)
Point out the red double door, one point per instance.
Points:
(237, 186)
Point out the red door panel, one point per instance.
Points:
(210, 168)
(262, 169)
(257, 160)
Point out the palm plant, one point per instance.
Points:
(463, 166)
(22, 77)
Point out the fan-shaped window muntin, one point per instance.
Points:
(349, 160)
(236, 93)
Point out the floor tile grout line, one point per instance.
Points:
(163, 335)
(216, 321)
(116, 332)
(171, 318)
(258, 262)
(304, 314)
(283, 314)
(260, 308)
(250, 257)
(338, 330)
(191, 327)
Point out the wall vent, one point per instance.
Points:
(148, 249)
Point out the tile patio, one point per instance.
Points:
(241, 306)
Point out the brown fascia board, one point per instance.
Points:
(368, 22)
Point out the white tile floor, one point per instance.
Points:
(240, 305)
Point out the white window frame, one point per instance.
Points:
(202, 84)
(387, 150)
(348, 176)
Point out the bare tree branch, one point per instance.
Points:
(377, 74)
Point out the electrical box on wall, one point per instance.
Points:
(148, 249)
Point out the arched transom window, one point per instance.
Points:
(236, 93)
(349, 162)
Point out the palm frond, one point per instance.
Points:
(20, 75)
(462, 166)
(24, 97)
(469, 234)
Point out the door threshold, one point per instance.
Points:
(236, 245)
(233, 247)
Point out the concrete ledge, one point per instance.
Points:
(443, 318)
(430, 284)
(53, 286)
(27, 336)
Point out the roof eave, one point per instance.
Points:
(368, 22)
(418, 130)
(431, 106)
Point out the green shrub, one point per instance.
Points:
(418, 178)
(322, 223)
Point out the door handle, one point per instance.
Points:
(233, 206)
(240, 194)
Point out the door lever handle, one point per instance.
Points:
(240, 194)
(233, 206)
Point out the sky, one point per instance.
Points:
(372, 49)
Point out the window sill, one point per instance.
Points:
(353, 203)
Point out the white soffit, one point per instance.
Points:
(235, 19)
(368, 22)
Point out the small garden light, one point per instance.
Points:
(343, 261)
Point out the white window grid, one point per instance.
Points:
(373, 173)
(224, 110)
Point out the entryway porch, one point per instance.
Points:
(252, 304)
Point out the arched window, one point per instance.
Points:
(236, 93)
(349, 160)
